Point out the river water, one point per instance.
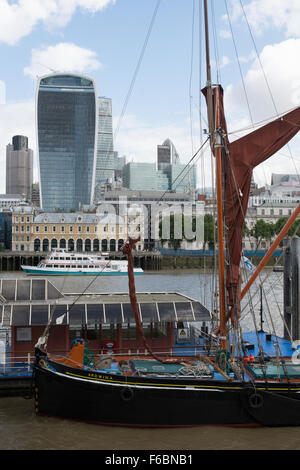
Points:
(21, 429)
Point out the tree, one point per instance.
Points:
(263, 231)
(209, 238)
(294, 230)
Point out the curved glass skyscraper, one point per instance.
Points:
(66, 128)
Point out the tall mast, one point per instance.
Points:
(214, 121)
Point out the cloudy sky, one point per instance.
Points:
(154, 79)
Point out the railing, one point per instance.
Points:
(21, 365)
(16, 365)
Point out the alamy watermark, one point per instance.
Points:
(157, 220)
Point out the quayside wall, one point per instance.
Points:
(148, 261)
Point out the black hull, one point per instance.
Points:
(162, 402)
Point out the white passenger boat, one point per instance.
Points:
(61, 262)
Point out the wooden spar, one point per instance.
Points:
(210, 111)
(216, 145)
(271, 250)
(219, 173)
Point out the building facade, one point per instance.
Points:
(22, 228)
(82, 232)
(175, 177)
(66, 127)
(150, 207)
(19, 167)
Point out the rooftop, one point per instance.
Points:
(25, 302)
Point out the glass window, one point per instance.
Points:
(20, 315)
(166, 311)
(94, 314)
(149, 312)
(39, 315)
(23, 290)
(113, 313)
(77, 315)
(60, 311)
(184, 311)
(38, 289)
(23, 335)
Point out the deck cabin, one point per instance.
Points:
(104, 320)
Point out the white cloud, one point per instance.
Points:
(268, 14)
(19, 18)
(283, 76)
(16, 119)
(63, 57)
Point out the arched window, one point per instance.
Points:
(62, 243)
(104, 245)
(79, 244)
(96, 245)
(53, 244)
(120, 244)
(88, 245)
(45, 244)
(71, 244)
(37, 245)
(112, 245)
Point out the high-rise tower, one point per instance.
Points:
(105, 162)
(66, 128)
(19, 167)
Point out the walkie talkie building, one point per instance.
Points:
(66, 135)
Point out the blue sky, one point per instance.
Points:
(103, 39)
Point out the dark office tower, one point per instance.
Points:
(66, 127)
(166, 154)
(19, 167)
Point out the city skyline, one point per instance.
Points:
(104, 39)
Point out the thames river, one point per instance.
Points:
(21, 429)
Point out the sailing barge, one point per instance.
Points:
(221, 389)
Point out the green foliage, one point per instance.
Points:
(209, 231)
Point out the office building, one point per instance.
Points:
(19, 167)
(140, 176)
(166, 154)
(35, 194)
(177, 178)
(66, 126)
(105, 160)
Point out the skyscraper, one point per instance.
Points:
(105, 162)
(19, 167)
(166, 154)
(66, 127)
